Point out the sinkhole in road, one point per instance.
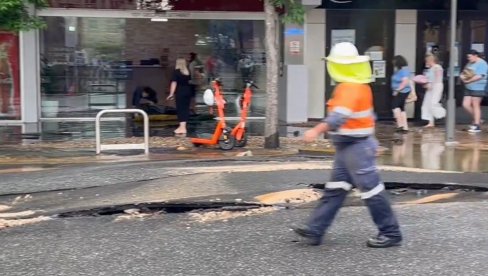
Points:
(421, 193)
(164, 207)
(421, 186)
(426, 193)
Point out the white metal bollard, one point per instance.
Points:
(144, 146)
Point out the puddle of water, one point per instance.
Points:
(419, 149)
(427, 150)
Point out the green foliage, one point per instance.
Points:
(14, 15)
(293, 10)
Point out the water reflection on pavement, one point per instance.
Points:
(420, 148)
(426, 149)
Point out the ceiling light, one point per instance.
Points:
(159, 19)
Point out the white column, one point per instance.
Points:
(406, 43)
(29, 77)
(314, 51)
(293, 84)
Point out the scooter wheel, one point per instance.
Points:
(197, 145)
(243, 142)
(227, 141)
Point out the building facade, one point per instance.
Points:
(94, 53)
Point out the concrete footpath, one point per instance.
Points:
(420, 148)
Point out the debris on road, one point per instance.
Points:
(296, 196)
(227, 215)
(130, 214)
(19, 199)
(8, 223)
(22, 214)
(432, 198)
(4, 208)
(245, 154)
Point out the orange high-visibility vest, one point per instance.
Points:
(355, 102)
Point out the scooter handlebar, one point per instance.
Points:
(251, 84)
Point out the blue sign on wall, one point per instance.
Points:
(294, 32)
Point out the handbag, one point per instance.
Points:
(412, 96)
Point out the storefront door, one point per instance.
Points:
(433, 36)
(372, 31)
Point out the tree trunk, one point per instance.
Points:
(271, 135)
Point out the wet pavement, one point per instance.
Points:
(426, 148)
(420, 148)
(443, 232)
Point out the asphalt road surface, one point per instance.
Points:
(440, 239)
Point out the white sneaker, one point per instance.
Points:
(474, 129)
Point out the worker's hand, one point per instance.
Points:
(311, 135)
(170, 97)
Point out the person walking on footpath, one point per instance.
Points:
(474, 78)
(351, 124)
(431, 106)
(400, 85)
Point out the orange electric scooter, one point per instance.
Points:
(240, 131)
(222, 134)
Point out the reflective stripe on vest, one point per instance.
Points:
(361, 132)
(358, 124)
(355, 103)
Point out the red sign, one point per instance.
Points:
(9, 76)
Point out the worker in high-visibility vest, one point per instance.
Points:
(350, 124)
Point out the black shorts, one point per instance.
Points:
(193, 90)
(474, 93)
(400, 100)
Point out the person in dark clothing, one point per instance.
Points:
(181, 91)
(145, 98)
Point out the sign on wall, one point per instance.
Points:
(344, 35)
(294, 47)
(294, 41)
(379, 69)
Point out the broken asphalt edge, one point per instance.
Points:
(186, 162)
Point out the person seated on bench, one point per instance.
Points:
(145, 98)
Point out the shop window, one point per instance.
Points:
(9, 77)
(89, 64)
(478, 35)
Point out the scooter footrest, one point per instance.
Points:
(204, 135)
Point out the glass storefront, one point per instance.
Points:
(89, 64)
(9, 77)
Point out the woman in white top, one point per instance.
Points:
(431, 107)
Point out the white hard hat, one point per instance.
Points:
(346, 53)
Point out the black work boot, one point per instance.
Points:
(382, 241)
(311, 237)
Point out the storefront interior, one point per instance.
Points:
(91, 63)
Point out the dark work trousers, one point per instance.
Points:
(355, 166)
(183, 97)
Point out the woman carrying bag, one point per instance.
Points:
(400, 84)
(431, 106)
